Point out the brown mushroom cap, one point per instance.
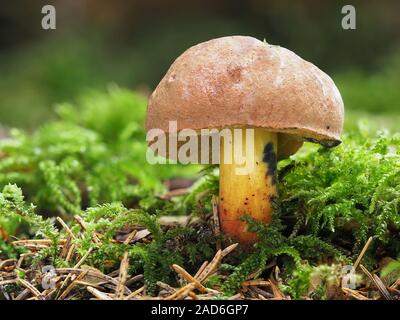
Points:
(239, 81)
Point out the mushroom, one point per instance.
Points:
(239, 82)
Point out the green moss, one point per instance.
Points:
(351, 191)
(95, 153)
(92, 162)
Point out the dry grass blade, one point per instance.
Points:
(182, 293)
(93, 274)
(237, 296)
(83, 259)
(353, 293)
(378, 283)
(82, 224)
(134, 279)
(70, 253)
(174, 221)
(88, 284)
(67, 229)
(135, 293)
(165, 287)
(174, 193)
(36, 245)
(259, 283)
(276, 291)
(213, 265)
(258, 293)
(98, 294)
(123, 275)
(141, 234)
(395, 284)
(66, 248)
(184, 274)
(8, 265)
(193, 296)
(7, 276)
(262, 293)
(216, 223)
(23, 295)
(5, 282)
(48, 293)
(228, 250)
(201, 269)
(22, 258)
(130, 237)
(44, 242)
(382, 288)
(394, 291)
(80, 262)
(31, 288)
(72, 285)
(363, 251)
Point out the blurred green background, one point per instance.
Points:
(132, 44)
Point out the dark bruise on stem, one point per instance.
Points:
(270, 159)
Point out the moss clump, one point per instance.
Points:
(181, 245)
(347, 194)
(95, 153)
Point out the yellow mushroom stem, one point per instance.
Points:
(252, 193)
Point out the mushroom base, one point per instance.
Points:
(251, 193)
